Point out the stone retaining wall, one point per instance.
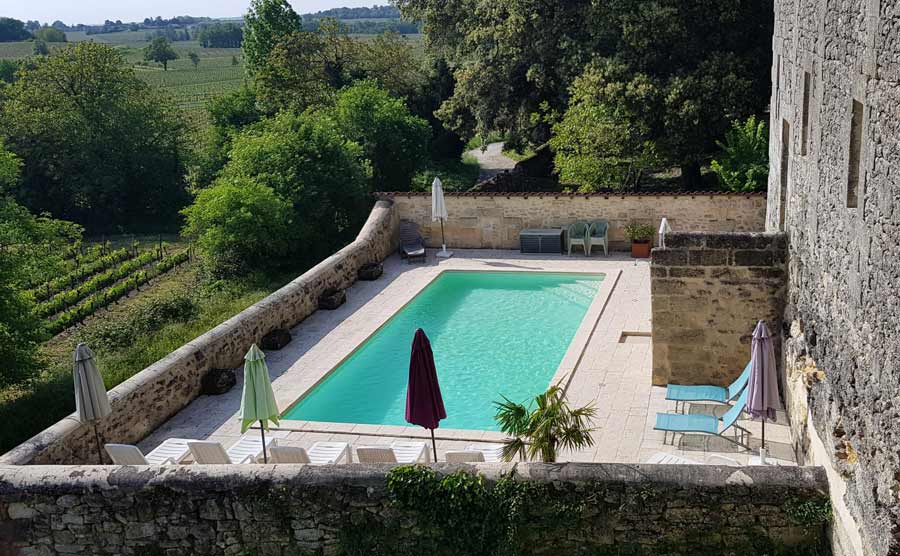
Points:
(494, 220)
(601, 509)
(149, 398)
(707, 293)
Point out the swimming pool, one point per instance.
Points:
(493, 334)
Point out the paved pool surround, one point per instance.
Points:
(145, 401)
(289, 510)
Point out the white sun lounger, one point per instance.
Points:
(246, 450)
(321, 453)
(171, 451)
(464, 456)
(671, 459)
(492, 452)
(398, 452)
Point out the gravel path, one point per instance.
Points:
(492, 160)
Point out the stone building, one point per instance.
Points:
(834, 189)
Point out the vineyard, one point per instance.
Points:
(98, 277)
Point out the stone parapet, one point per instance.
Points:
(494, 220)
(349, 509)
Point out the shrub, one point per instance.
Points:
(636, 231)
(394, 141)
(238, 224)
(743, 165)
(141, 322)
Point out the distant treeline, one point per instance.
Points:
(375, 12)
(370, 27)
(220, 35)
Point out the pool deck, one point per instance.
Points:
(608, 364)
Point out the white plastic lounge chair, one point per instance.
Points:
(579, 234)
(598, 233)
(671, 459)
(321, 453)
(246, 450)
(491, 452)
(171, 451)
(398, 452)
(467, 456)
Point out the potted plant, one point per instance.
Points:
(540, 433)
(640, 235)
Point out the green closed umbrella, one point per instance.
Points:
(258, 400)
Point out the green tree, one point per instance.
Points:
(306, 161)
(541, 432)
(12, 30)
(160, 50)
(394, 141)
(305, 68)
(99, 146)
(195, 59)
(29, 251)
(40, 48)
(743, 164)
(228, 114)
(391, 61)
(239, 226)
(597, 145)
(8, 69)
(514, 59)
(265, 24)
(49, 34)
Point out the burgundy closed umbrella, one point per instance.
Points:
(762, 399)
(424, 405)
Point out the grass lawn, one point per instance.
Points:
(456, 175)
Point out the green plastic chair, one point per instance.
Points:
(599, 235)
(579, 235)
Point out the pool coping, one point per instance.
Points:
(563, 375)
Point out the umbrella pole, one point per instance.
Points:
(443, 248)
(433, 445)
(99, 447)
(262, 431)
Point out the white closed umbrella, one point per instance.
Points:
(439, 212)
(91, 400)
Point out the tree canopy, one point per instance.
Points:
(394, 141)
(678, 72)
(29, 250)
(49, 34)
(220, 35)
(99, 146)
(266, 23)
(160, 50)
(12, 30)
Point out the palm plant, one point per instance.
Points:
(552, 425)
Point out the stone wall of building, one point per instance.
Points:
(149, 398)
(708, 290)
(834, 188)
(494, 220)
(294, 510)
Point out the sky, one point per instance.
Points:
(96, 11)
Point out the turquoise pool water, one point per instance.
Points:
(493, 334)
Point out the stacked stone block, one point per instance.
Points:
(708, 290)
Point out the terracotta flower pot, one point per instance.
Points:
(640, 249)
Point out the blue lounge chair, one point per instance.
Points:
(680, 393)
(679, 423)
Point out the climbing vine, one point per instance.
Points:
(814, 511)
